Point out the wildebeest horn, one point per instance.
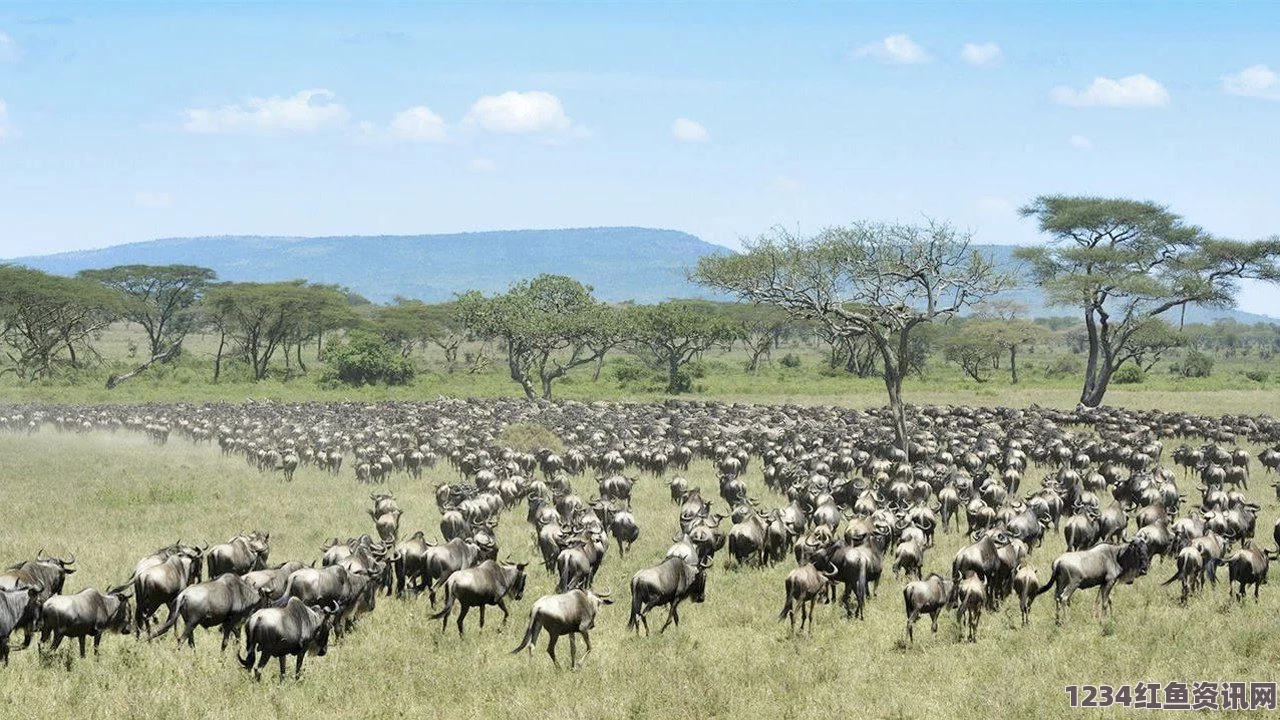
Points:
(604, 594)
(72, 561)
(40, 555)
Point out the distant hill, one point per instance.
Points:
(622, 263)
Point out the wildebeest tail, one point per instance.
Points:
(786, 606)
(170, 621)
(1176, 574)
(530, 635)
(247, 662)
(448, 603)
(284, 594)
(1053, 577)
(637, 603)
(862, 585)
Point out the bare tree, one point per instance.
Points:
(873, 280)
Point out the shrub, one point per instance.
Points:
(1258, 375)
(1196, 364)
(790, 360)
(1064, 366)
(1129, 375)
(366, 359)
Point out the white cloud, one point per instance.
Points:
(148, 199)
(1133, 91)
(686, 130)
(1258, 81)
(418, 124)
(306, 111)
(519, 112)
(482, 165)
(1080, 142)
(895, 50)
(8, 49)
(6, 129)
(985, 55)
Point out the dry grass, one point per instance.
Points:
(112, 498)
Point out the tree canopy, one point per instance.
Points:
(674, 332)
(156, 297)
(48, 320)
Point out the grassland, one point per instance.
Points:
(112, 498)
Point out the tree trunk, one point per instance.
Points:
(217, 359)
(301, 365)
(898, 411)
(1095, 388)
(319, 348)
(673, 373)
(595, 375)
(1013, 364)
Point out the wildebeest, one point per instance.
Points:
(158, 585)
(281, 631)
(226, 600)
(272, 582)
(18, 608)
(87, 613)
(48, 574)
(572, 613)
(925, 597)
(387, 524)
(803, 587)
(667, 583)
(489, 583)
(1190, 571)
(1247, 566)
(442, 561)
(1025, 585)
(239, 555)
(625, 531)
(970, 596)
(1101, 566)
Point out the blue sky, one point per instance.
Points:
(122, 121)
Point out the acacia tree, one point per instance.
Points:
(674, 332)
(43, 316)
(873, 280)
(407, 324)
(549, 326)
(1124, 263)
(157, 297)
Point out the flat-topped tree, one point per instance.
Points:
(1126, 263)
(158, 298)
(872, 280)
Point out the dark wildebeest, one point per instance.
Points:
(859, 568)
(442, 561)
(747, 539)
(290, 630)
(87, 613)
(572, 613)
(224, 601)
(46, 573)
(803, 587)
(579, 560)
(625, 530)
(925, 597)
(1101, 566)
(239, 555)
(489, 583)
(18, 609)
(1190, 571)
(970, 596)
(160, 584)
(668, 583)
(272, 582)
(1248, 566)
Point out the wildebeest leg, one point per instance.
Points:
(262, 662)
(297, 672)
(552, 638)
(27, 633)
(502, 605)
(82, 639)
(462, 614)
(57, 640)
(911, 621)
(844, 599)
(281, 659)
(671, 614)
(482, 617)
(573, 651)
(644, 621)
(586, 639)
(227, 627)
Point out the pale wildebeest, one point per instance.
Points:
(88, 613)
(282, 631)
(272, 582)
(387, 524)
(1190, 571)
(970, 596)
(1247, 566)
(803, 587)
(925, 597)
(160, 584)
(572, 613)
(1101, 566)
(239, 555)
(489, 583)
(908, 556)
(1025, 585)
(226, 601)
(18, 609)
(668, 583)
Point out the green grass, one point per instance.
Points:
(112, 498)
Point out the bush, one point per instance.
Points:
(1064, 366)
(1260, 376)
(1195, 365)
(1129, 375)
(790, 360)
(366, 359)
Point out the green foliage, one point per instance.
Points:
(1259, 376)
(1194, 364)
(48, 322)
(366, 359)
(672, 333)
(790, 360)
(158, 298)
(1064, 366)
(1129, 375)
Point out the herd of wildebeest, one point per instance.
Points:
(846, 502)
